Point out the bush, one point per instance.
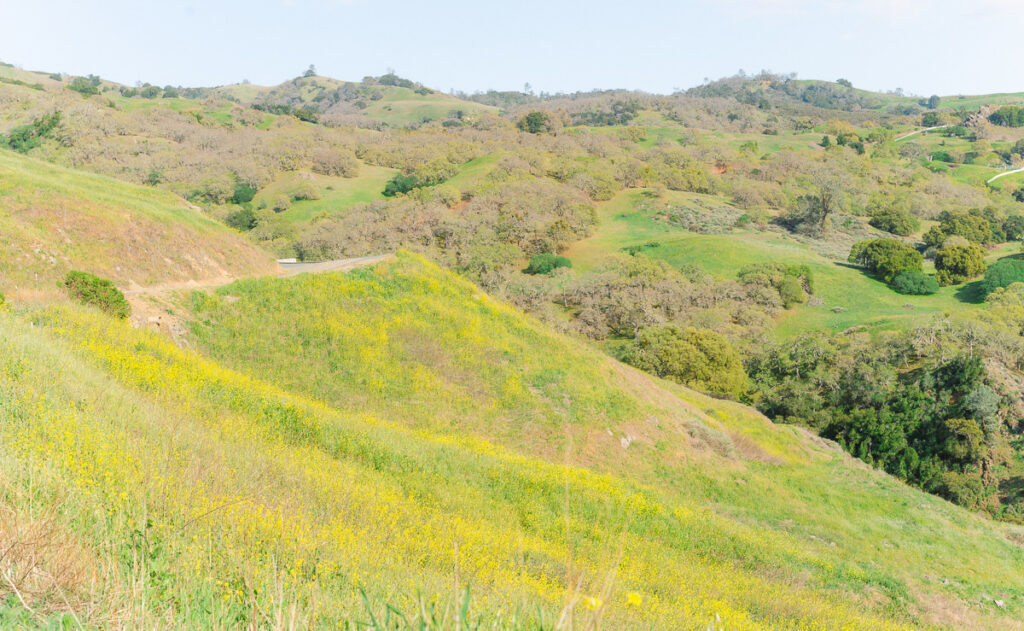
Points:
(793, 282)
(27, 137)
(886, 258)
(894, 221)
(306, 191)
(959, 263)
(535, 122)
(1013, 227)
(243, 220)
(401, 183)
(791, 292)
(915, 283)
(698, 358)
(90, 289)
(546, 263)
(243, 193)
(84, 86)
(1003, 273)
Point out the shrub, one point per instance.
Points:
(27, 137)
(886, 258)
(546, 263)
(1003, 273)
(1013, 227)
(791, 292)
(915, 283)
(535, 122)
(894, 221)
(306, 191)
(282, 203)
(243, 193)
(243, 220)
(84, 86)
(401, 183)
(698, 358)
(793, 282)
(90, 289)
(959, 263)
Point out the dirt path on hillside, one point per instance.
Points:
(905, 136)
(159, 307)
(287, 269)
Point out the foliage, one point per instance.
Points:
(1003, 273)
(92, 290)
(243, 219)
(546, 263)
(1008, 116)
(793, 282)
(27, 137)
(895, 221)
(400, 184)
(977, 226)
(86, 86)
(535, 122)
(698, 358)
(1013, 227)
(244, 193)
(915, 283)
(886, 258)
(959, 263)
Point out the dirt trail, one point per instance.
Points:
(287, 269)
(158, 306)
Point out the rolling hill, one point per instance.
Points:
(450, 449)
(55, 219)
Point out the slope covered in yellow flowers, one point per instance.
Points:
(353, 447)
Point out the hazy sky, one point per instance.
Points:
(923, 46)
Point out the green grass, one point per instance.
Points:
(337, 193)
(862, 299)
(974, 102)
(394, 431)
(471, 173)
(403, 106)
(55, 219)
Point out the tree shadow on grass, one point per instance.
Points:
(971, 293)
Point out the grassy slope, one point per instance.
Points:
(865, 301)
(409, 343)
(343, 192)
(403, 106)
(54, 219)
(245, 500)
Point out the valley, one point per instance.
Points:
(745, 356)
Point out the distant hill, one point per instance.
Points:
(766, 89)
(390, 100)
(55, 219)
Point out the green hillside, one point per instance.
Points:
(449, 443)
(54, 219)
(850, 296)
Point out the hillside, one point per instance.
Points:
(55, 219)
(449, 443)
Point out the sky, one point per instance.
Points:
(922, 46)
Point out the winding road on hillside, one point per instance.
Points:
(905, 136)
(288, 269)
(996, 177)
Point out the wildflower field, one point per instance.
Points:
(390, 446)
